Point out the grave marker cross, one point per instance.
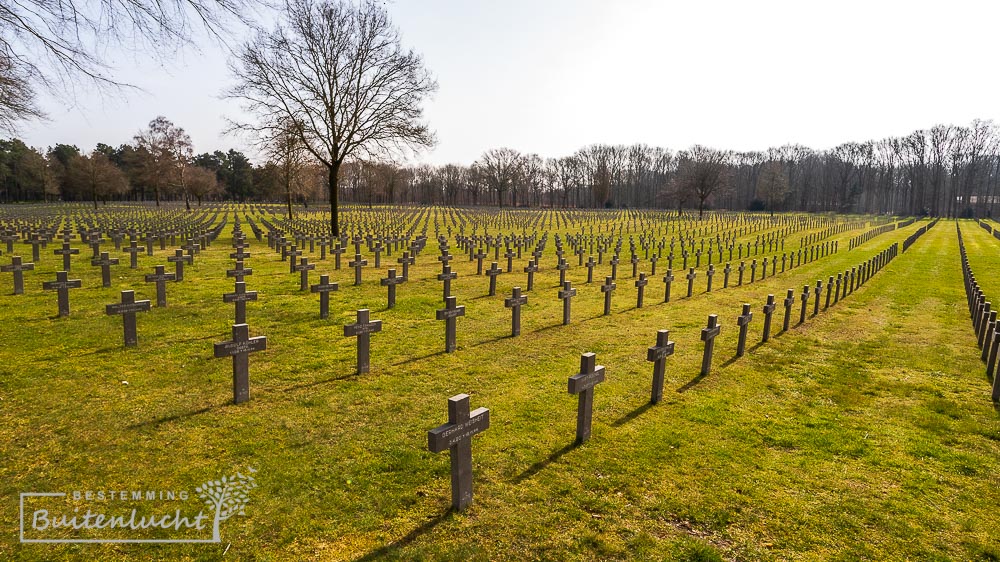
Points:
(658, 355)
(17, 268)
(127, 309)
(240, 348)
(324, 288)
(62, 285)
(363, 328)
(456, 436)
(582, 384)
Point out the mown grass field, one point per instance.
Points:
(866, 432)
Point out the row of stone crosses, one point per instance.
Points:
(129, 306)
(456, 435)
(463, 424)
(984, 317)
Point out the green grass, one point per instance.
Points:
(865, 433)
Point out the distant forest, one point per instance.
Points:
(942, 171)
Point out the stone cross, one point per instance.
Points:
(336, 251)
(240, 296)
(446, 276)
(690, 277)
(614, 267)
(829, 290)
(105, 264)
(788, 302)
(805, 303)
(357, 263)
(708, 336)
(293, 253)
(590, 269)
(239, 254)
(768, 311)
(566, 294)
(133, 251)
(304, 267)
(240, 348)
(582, 384)
(479, 261)
(562, 266)
(492, 272)
(191, 247)
(514, 302)
(635, 264)
(836, 293)
(127, 308)
(239, 272)
(178, 259)
(640, 285)
(607, 288)
(991, 360)
(817, 291)
(509, 254)
(160, 278)
(658, 355)
(710, 273)
(743, 321)
(324, 288)
(18, 268)
(530, 269)
(725, 279)
(406, 261)
(449, 314)
(62, 285)
(391, 281)
(363, 328)
(753, 271)
(742, 268)
(66, 252)
(668, 279)
(456, 436)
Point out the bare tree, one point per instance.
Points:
(701, 173)
(50, 45)
(96, 176)
(338, 69)
(772, 186)
(500, 168)
(164, 152)
(202, 183)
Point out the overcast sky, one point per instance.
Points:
(552, 76)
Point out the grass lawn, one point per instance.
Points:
(866, 432)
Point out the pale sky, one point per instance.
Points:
(549, 77)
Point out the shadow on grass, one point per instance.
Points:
(189, 340)
(692, 383)
(631, 415)
(301, 386)
(412, 359)
(493, 340)
(425, 527)
(730, 361)
(538, 466)
(175, 417)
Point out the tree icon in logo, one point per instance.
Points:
(229, 496)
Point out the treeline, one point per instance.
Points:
(159, 165)
(944, 170)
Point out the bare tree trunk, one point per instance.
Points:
(333, 173)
